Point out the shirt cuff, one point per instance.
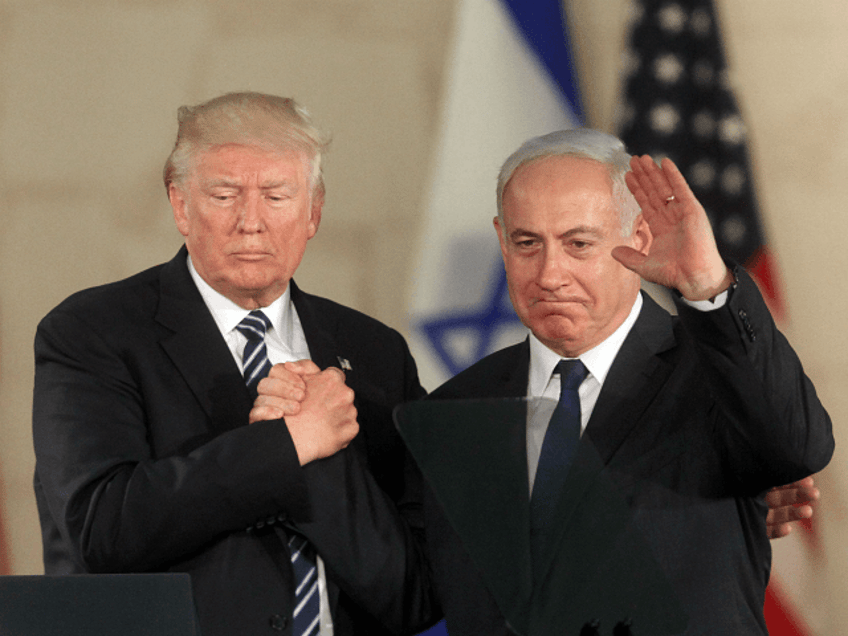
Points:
(708, 305)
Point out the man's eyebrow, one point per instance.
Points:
(283, 183)
(224, 182)
(581, 229)
(221, 182)
(522, 232)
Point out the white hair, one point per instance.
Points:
(583, 143)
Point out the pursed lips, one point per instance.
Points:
(556, 301)
(250, 255)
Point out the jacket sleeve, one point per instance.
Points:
(118, 504)
(773, 427)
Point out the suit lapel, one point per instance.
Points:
(634, 379)
(197, 349)
(317, 328)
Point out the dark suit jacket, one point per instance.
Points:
(145, 461)
(661, 523)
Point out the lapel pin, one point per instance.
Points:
(344, 364)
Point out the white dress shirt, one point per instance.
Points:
(285, 342)
(543, 383)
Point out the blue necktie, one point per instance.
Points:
(558, 450)
(255, 356)
(306, 598)
(307, 604)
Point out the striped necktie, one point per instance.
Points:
(255, 356)
(307, 604)
(306, 619)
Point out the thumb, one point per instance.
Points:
(303, 367)
(632, 259)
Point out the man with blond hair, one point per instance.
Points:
(186, 419)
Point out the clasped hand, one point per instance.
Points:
(317, 407)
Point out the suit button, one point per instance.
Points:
(278, 622)
(749, 329)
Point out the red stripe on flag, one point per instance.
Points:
(763, 270)
(780, 619)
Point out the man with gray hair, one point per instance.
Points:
(619, 487)
(188, 418)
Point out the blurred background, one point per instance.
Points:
(425, 99)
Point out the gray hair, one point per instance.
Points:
(255, 119)
(583, 143)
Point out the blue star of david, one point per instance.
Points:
(481, 322)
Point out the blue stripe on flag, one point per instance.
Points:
(543, 24)
(462, 335)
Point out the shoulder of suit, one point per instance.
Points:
(128, 294)
(483, 379)
(351, 319)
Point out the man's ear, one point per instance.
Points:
(642, 236)
(315, 213)
(501, 230)
(179, 205)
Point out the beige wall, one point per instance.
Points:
(89, 91)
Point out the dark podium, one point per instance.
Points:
(97, 605)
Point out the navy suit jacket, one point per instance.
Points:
(661, 523)
(145, 460)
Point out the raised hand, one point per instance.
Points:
(683, 253)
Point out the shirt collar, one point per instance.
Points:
(228, 314)
(597, 360)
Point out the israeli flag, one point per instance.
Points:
(510, 77)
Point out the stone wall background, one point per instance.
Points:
(88, 98)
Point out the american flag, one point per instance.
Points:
(677, 102)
